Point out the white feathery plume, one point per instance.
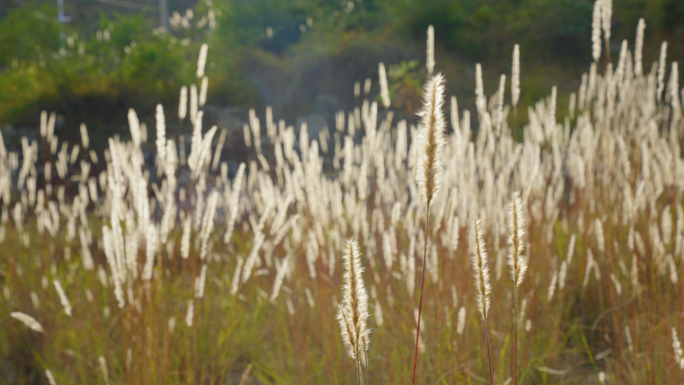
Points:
(516, 240)
(552, 285)
(63, 298)
(628, 335)
(480, 100)
(384, 89)
(150, 252)
(353, 311)
(28, 321)
(661, 70)
(103, 368)
(677, 347)
(134, 125)
(185, 238)
(455, 123)
(515, 76)
(606, 16)
(279, 278)
(596, 31)
(639, 48)
(193, 104)
(190, 314)
(236, 277)
(85, 140)
(234, 203)
(431, 138)
(50, 377)
(430, 62)
(481, 273)
(183, 103)
(674, 89)
(480, 269)
(43, 123)
(516, 260)
(203, 91)
(571, 249)
(200, 282)
(600, 240)
(161, 136)
(461, 320)
(208, 223)
(202, 60)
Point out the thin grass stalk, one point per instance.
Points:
(365, 356)
(422, 284)
(358, 370)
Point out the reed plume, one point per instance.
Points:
(481, 273)
(431, 138)
(596, 31)
(353, 311)
(517, 263)
(430, 62)
(28, 321)
(429, 167)
(515, 78)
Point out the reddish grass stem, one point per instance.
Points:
(422, 284)
(489, 357)
(515, 339)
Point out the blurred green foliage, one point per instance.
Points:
(75, 70)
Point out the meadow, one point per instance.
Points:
(118, 267)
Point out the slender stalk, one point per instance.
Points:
(515, 339)
(365, 356)
(422, 284)
(489, 357)
(358, 374)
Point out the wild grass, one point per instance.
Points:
(178, 272)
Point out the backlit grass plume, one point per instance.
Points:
(481, 273)
(517, 263)
(353, 311)
(431, 138)
(28, 321)
(429, 167)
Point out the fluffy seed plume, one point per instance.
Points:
(677, 347)
(202, 60)
(639, 47)
(480, 269)
(596, 31)
(516, 241)
(384, 90)
(28, 321)
(431, 137)
(161, 135)
(481, 272)
(430, 62)
(63, 298)
(183, 103)
(50, 377)
(515, 78)
(353, 311)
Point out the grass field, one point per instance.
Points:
(179, 269)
